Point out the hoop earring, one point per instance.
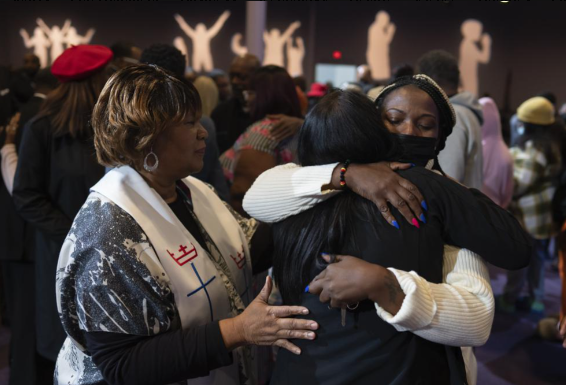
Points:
(146, 165)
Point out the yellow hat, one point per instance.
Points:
(537, 110)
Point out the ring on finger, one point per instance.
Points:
(353, 307)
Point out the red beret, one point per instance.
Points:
(81, 61)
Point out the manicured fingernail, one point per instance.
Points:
(305, 311)
(310, 336)
(297, 351)
(307, 289)
(396, 225)
(325, 254)
(423, 219)
(313, 326)
(424, 205)
(413, 165)
(416, 223)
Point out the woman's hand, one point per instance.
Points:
(11, 129)
(262, 324)
(285, 127)
(379, 183)
(350, 280)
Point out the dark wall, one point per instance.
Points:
(529, 39)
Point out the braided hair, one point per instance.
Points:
(445, 109)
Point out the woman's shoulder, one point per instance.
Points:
(40, 127)
(262, 126)
(100, 220)
(104, 232)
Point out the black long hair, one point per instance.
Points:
(343, 125)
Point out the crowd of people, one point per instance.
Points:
(160, 226)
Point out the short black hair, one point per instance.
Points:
(550, 96)
(402, 70)
(165, 56)
(441, 66)
(44, 78)
(122, 49)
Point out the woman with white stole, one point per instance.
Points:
(155, 274)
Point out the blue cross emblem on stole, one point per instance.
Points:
(203, 287)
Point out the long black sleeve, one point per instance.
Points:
(167, 358)
(30, 194)
(473, 221)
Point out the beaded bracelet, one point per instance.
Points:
(343, 173)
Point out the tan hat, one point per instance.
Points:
(537, 110)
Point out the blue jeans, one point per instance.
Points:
(532, 274)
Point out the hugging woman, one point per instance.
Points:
(344, 126)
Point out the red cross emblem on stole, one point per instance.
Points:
(187, 254)
(240, 259)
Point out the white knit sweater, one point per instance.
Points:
(458, 312)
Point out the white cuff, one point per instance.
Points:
(418, 308)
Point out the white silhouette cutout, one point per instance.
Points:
(274, 42)
(200, 36)
(73, 38)
(179, 43)
(471, 55)
(39, 42)
(56, 35)
(237, 46)
(380, 35)
(295, 56)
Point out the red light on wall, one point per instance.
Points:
(337, 55)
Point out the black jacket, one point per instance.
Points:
(53, 178)
(16, 239)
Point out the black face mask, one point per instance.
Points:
(418, 150)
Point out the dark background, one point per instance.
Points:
(529, 38)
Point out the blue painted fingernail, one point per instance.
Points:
(424, 205)
(325, 254)
(413, 165)
(423, 219)
(307, 289)
(396, 225)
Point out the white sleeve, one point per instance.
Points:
(458, 312)
(288, 190)
(9, 164)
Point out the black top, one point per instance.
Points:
(52, 182)
(16, 237)
(369, 350)
(162, 359)
(231, 121)
(183, 210)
